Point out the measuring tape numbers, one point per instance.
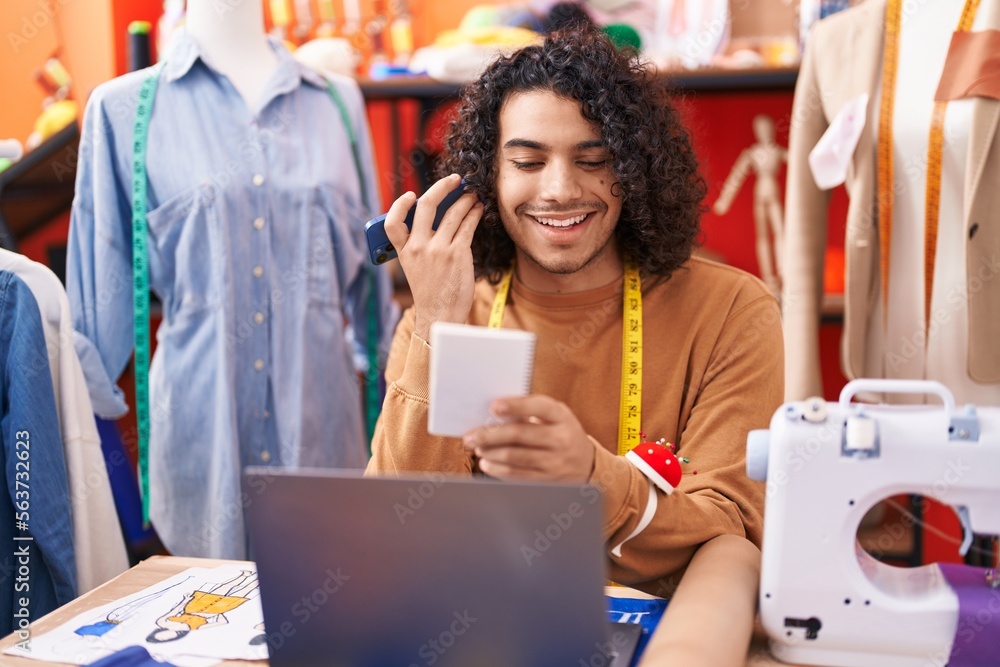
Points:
(630, 400)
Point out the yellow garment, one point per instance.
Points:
(204, 604)
(190, 620)
(210, 603)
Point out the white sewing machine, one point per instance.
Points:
(823, 599)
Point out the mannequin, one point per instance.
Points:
(764, 158)
(953, 337)
(232, 38)
(255, 215)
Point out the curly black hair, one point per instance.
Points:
(651, 153)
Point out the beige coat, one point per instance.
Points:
(842, 61)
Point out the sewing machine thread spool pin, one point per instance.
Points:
(815, 410)
(861, 437)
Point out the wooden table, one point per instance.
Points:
(159, 568)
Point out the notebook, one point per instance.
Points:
(470, 368)
(430, 569)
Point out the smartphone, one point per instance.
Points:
(379, 248)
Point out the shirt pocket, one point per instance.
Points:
(321, 258)
(344, 221)
(186, 256)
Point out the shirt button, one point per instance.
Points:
(259, 319)
(258, 180)
(267, 414)
(258, 271)
(265, 456)
(258, 223)
(259, 364)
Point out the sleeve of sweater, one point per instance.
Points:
(741, 388)
(401, 442)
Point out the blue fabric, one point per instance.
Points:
(107, 400)
(98, 629)
(40, 570)
(255, 362)
(133, 656)
(124, 485)
(645, 612)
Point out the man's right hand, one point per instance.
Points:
(438, 264)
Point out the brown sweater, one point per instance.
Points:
(712, 370)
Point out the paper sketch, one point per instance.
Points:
(193, 619)
(121, 614)
(205, 607)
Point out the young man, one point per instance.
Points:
(579, 163)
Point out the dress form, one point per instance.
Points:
(908, 347)
(254, 249)
(232, 40)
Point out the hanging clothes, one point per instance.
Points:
(256, 251)
(97, 536)
(37, 564)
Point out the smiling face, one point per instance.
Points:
(554, 182)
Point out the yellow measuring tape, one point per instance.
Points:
(630, 404)
(885, 166)
(935, 147)
(932, 196)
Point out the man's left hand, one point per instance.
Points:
(542, 440)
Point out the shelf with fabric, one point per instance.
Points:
(430, 94)
(698, 80)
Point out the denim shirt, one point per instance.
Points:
(257, 252)
(37, 561)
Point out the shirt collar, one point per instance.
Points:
(184, 52)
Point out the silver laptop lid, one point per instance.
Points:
(426, 570)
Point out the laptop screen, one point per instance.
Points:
(426, 570)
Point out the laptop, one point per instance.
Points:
(430, 570)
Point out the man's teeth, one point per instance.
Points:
(568, 222)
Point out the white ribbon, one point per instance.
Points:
(647, 518)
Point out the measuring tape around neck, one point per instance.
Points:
(935, 147)
(630, 400)
(140, 277)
